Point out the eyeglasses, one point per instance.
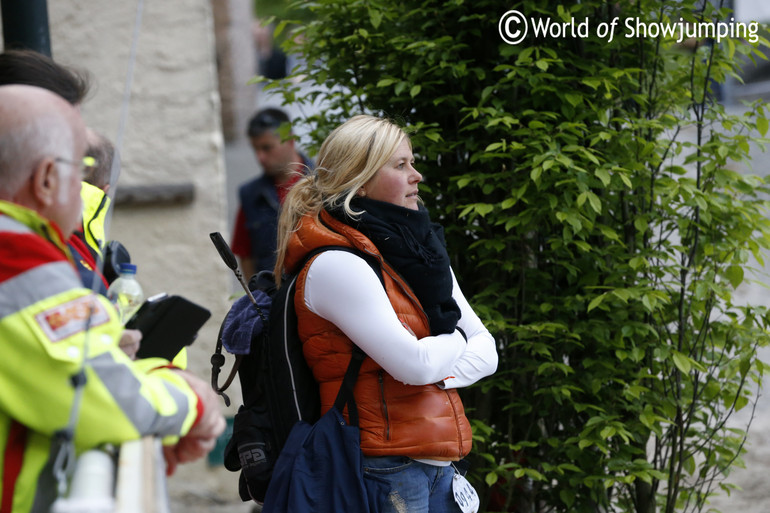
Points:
(86, 166)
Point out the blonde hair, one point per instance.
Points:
(349, 157)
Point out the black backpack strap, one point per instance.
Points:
(218, 359)
(345, 395)
(217, 362)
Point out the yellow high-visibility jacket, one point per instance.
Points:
(95, 207)
(47, 322)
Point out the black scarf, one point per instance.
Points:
(415, 248)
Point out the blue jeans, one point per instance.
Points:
(414, 487)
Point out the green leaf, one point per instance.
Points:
(375, 17)
(573, 99)
(483, 209)
(583, 246)
(280, 28)
(734, 274)
(762, 126)
(491, 478)
(567, 497)
(689, 465)
(603, 175)
(626, 180)
(609, 233)
(385, 82)
(608, 432)
(595, 202)
(681, 361)
(596, 302)
(415, 90)
(723, 151)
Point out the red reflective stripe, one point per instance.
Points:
(21, 252)
(14, 456)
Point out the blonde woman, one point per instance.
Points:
(422, 337)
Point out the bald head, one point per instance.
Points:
(42, 142)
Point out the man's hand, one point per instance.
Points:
(130, 341)
(203, 436)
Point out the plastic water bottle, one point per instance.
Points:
(125, 292)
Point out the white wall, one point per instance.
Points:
(172, 135)
(752, 10)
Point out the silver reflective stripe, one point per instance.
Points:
(35, 285)
(8, 224)
(125, 389)
(290, 297)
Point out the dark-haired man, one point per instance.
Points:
(254, 234)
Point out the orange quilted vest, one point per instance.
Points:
(395, 419)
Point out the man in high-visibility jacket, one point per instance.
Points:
(51, 326)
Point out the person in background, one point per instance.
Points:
(97, 182)
(27, 67)
(422, 338)
(271, 60)
(102, 151)
(88, 238)
(50, 324)
(254, 233)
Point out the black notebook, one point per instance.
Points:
(168, 323)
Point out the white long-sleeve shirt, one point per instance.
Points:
(343, 289)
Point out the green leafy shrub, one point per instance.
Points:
(598, 222)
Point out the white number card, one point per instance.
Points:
(465, 496)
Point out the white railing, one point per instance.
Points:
(137, 484)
